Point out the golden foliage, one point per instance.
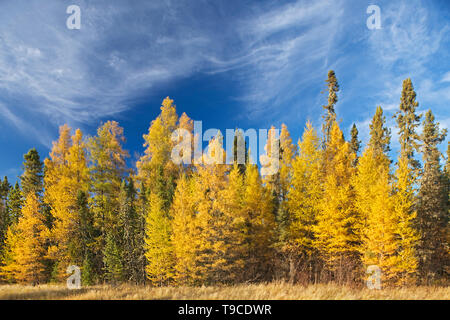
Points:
(25, 245)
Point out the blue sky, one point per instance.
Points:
(231, 63)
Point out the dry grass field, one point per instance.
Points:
(275, 291)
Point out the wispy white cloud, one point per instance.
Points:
(273, 51)
(124, 50)
(77, 76)
(446, 77)
(284, 49)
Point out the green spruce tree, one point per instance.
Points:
(355, 143)
(432, 204)
(407, 122)
(86, 235)
(14, 203)
(129, 224)
(32, 177)
(380, 134)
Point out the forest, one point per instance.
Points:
(331, 210)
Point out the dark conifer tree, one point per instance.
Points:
(14, 203)
(129, 230)
(380, 134)
(432, 204)
(5, 219)
(355, 143)
(86, 234)
(408, 121)
(32, 177)
(330, 115)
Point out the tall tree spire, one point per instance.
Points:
(32, 177)
(407, 122)
(330, 115)
(380, 135)
(355, 143)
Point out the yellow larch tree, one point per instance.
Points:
(199, 224)
(209, 183)
(77, 162)
(9, 266)
(375, 204)
(236, 229)
(159, 144)
(65, 176)
(287, 153)
(374, 201)
(158, 245)
(304, 198)
(186, 123)
(26, 245)
(186, 236)
(56, 196)
(158, 174)
(258, 208)
(335, 235)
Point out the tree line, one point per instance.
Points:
(329, 212)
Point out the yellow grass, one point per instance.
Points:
(276, 291)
